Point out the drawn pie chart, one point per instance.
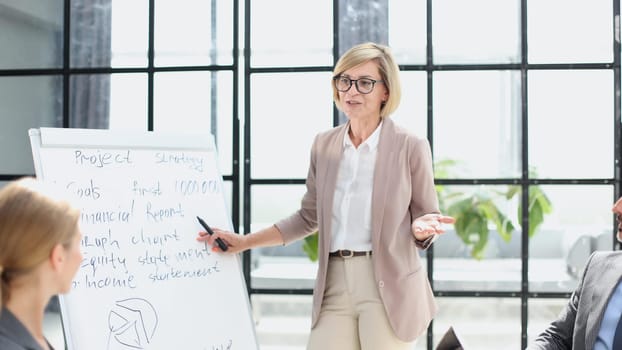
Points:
(132, 322)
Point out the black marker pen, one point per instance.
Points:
(219, 241)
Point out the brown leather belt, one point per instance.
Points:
(345, 253)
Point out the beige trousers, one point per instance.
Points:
(352, 315)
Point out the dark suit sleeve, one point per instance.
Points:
(560, 332)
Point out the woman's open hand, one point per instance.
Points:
(430, 224)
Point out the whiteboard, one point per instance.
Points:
(145, 282)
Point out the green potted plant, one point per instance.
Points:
(476, 210)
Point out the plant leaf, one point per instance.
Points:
(471, 223)
(539, 205)
(309, 246)
(502, 223)
(481, 227)
(512, 191)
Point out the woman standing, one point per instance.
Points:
(39, 256)
(370, 194)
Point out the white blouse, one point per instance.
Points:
(351, 214)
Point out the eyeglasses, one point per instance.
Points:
(363, 85)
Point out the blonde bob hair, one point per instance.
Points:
(33, 220)
(388, 68)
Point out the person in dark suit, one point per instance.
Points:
(371, 196)
(591, 317)
(39, 256)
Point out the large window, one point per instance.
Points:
(517, 101)
(112, 64)
(518, 98)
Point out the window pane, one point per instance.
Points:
(90, 33)
(130, 33)
(199, 102)
(407, 31)
(570, 123)
(128, 101)
(282, 322)
(412, 112)
(287, 111)
(480, 323)
(109, 101)
(580, 222)
(113, 33)
(462, 257)
(89, 100)
(193, 32)
(27, 102)
(33, 32)
(291, 33)
(466, 32)
(280, 266)
(541, 313)
(562, 31)
(477, 122)
(284, 200)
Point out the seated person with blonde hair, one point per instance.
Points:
(39, 256)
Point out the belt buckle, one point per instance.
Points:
(351, 253)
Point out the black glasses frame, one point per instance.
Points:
(356, 83)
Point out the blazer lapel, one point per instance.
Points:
(381, 178)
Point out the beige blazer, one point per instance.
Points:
(403, 190)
